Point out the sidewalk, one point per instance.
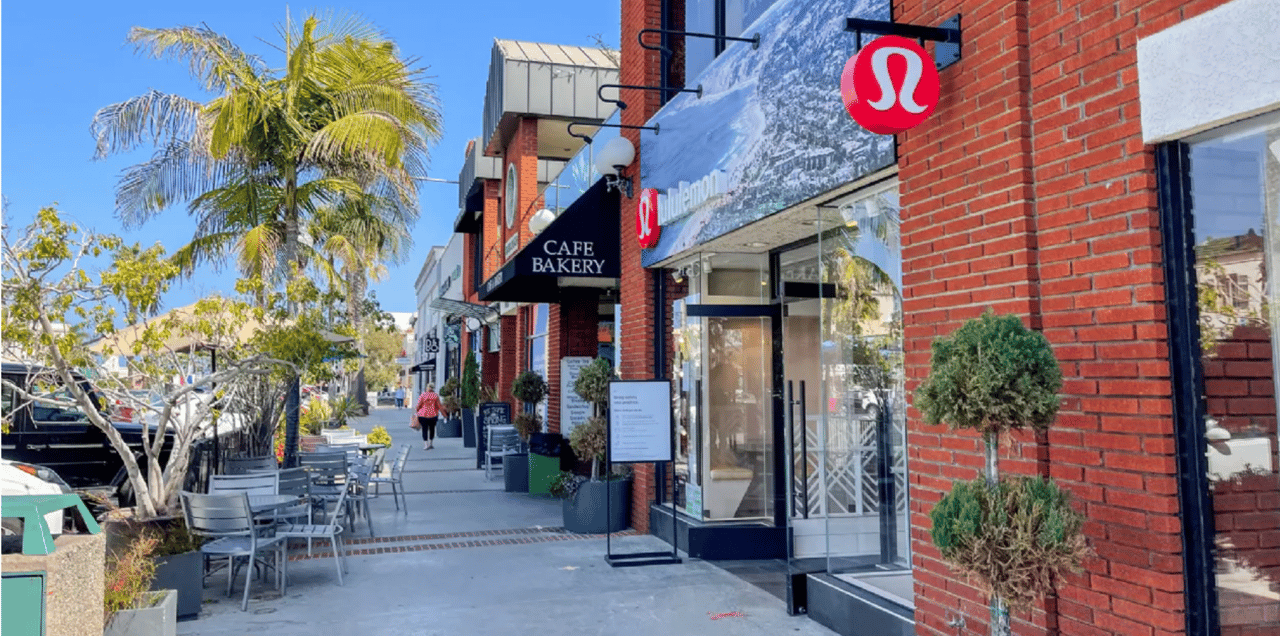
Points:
(468, 558)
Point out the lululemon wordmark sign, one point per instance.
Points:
(891, 85)
(568, 258)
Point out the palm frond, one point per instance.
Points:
(178, 171)
(151, 117)
(213, 58)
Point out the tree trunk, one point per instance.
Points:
(999, 611)
(355, 296)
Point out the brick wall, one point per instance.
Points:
(1029, 190)
(571, 331)
(493, 232)
(639, 67)
(508, 358)
(522, 151)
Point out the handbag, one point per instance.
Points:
(413, 423)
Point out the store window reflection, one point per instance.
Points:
(1235, 178)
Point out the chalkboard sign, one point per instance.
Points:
(489, 414)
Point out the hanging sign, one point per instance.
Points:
(891, 85)
(647, 229)
(639, 421)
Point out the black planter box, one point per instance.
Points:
(451, 427)
(468, 428)
(585, 512)
(182, 572)
(515, 472)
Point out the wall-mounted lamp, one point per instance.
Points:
(473, 324)
(540, 220)
(617, 154)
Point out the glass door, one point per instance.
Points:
(842, 389)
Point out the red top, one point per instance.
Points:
(428, 404)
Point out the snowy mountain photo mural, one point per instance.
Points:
(771, 118)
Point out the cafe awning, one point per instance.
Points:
(581, 248)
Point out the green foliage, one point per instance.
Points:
(343, 409)
(1013, 538)
(379, 435)
(129, 575)
(527, 424)
(382, 348)
(449, 388)
(311, 420)
(470, 381)
(588, 442)
(993, 374)
(529, 387)
(564, 485)
(593, 382)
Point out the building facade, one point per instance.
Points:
(1105, 170)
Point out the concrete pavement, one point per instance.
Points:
(467, 558)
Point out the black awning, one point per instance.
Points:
(584, 242)
(427, 365)
(468, 221)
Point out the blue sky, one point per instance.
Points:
(60, 62)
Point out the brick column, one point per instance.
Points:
(640, 66)
(508, 362)
(571, 331)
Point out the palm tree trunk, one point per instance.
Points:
(355, 295)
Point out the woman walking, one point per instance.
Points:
(428, 414)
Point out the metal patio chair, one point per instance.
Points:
(500, 443)
(227, 519)
(242, 465)
(395, 478)
(328, 528)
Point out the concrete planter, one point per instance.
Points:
(160, 618)
(182, 573)
(585, 512)
(468, 428)
(515, 472)
(451, 427)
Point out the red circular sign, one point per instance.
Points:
(890, 85)
(647, 229)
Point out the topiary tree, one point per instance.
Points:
(993, 375)
(592, 384)
(529, 388)
(588, 439)
(470, 382)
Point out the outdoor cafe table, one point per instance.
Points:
(369, 448)
(266, 503)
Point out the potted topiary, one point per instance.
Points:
(584, 505)
(131, 608)
(517, 470)
(451, 424)
(469, 398)
(1012, 535)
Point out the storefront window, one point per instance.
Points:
(538, 348)
(1235, 182)
(722, 375)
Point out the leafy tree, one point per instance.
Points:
(345, 118)
(55, 305)
(470, 381)
(383, 347)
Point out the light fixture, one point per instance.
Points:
(755, 244)
(473, 323)
(617, 153)
(540, 220)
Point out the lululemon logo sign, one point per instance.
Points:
(647, 229)
(889, 86)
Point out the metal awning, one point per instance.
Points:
(464, 309)
(426, 365)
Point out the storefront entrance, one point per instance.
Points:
(840, 378)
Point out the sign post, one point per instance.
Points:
(639, 430)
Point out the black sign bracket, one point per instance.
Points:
(639, 87)
(587, 138)
(947, 36)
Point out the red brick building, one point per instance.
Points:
(1108, 171)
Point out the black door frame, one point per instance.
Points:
(1177, 229)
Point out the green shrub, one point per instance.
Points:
(470, 382)
(312, 420)
(527, 424)
(993, 374)
(564, 485)
(379, 435)
(592, 384)
(529, 387)
(588, 442)
(1013, 538)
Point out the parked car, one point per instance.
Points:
(18, 478)
(61, 438)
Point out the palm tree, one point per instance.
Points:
(359, 234)
(346, 116)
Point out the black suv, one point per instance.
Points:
(63, 439)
